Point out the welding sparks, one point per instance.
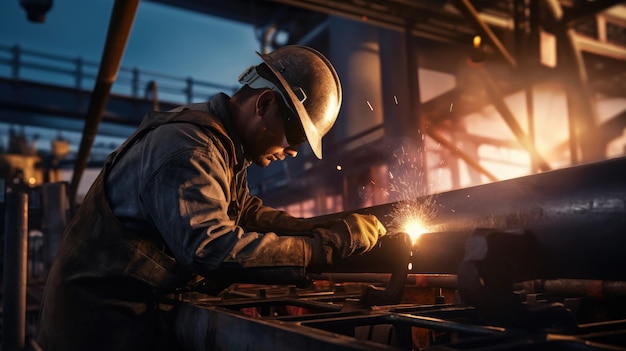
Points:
(414, 210)
(412, 216)
(370, 105)
(415, 229)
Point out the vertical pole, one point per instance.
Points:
(415, 105)
(79, 74)
(135, 84)
(403, 122)
(120, 25)
(15, 249)
(55, 218)
(17, 58)
(189, 90)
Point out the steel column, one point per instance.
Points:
(15, 272)
(580, 102)
(56, 216)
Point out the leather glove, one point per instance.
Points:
(355, 234)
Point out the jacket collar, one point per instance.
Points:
(218, 107)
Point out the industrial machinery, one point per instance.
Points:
(533, 263)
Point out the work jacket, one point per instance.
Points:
(170, 206)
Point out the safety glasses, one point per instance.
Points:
(294, 132)
(293, 128)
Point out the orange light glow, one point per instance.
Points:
(476, 41)
(415, 228)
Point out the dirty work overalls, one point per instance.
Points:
(105, 287)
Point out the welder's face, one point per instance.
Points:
(269, 143)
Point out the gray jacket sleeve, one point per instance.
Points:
(187, 198)
(259, 217)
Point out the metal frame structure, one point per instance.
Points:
(510, 35)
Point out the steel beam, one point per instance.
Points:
(584, 146)
(466, 7)
(497, 99)
(121, 22)
(210, 328)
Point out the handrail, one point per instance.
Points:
(18, 63)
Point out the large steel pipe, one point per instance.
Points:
(576, 217)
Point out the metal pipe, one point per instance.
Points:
(448, 281)
(120, 25)
(576, 215)
(15, 272)
(581, 287)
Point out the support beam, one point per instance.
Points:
(466, 7)
(121, 22)
(498, 102)
(468, 159)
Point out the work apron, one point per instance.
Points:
(108, 287)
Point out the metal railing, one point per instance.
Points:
(18, 63)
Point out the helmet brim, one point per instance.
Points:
(312, 135)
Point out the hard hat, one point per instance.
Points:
(308, 83)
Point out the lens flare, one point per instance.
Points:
(414, 210)
(415, 228)
(477, 41)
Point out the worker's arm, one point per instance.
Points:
(187, 199)
(256, 216)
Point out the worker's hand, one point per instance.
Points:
(362, 231)
(354, 234)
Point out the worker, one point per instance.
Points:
(171, 211)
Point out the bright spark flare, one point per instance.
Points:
(414, 209)
(412, 216)
(415, 229)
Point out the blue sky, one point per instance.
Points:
(163, 39)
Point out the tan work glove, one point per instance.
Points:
(354, 234)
